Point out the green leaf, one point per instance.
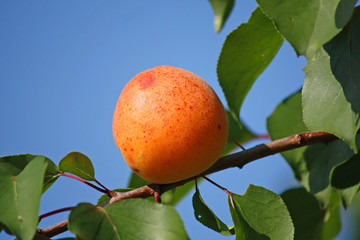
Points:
(312, 165)
(332, 220)
(332, 86)
(14, 164)
(77, 164)
(261, 214)
(305, 213)
(20, 198)
(222, 10)
(238, 132)
(124, 219)
(307, 25)
(246, 52)
(177, 194)
(310, 221)
(135, 181)
(242, 229)
(207, 217)
(346, 180)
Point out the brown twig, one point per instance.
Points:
(233, 160)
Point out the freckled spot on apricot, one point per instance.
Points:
(146, 81)
(125, 149)
(135, 170)
(219, 126)
(132, 149)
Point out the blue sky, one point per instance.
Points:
(64, 63)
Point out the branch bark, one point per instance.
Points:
(238, 159)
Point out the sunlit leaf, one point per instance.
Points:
(77, 164)
(20, 198)
(261, 214)
(14, 164)
(331, 93)
(307, 25)
(312, 165)
(246, 52)
(127, 219)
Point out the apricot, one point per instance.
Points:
(169, 124)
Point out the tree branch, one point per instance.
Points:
(239, 159)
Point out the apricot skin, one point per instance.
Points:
(169, 125)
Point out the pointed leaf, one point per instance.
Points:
(207, 217)
(77, 164)
(222, 10)
(14, 164)
(265, 212)
(312, 165)
(332, 85)
(307, 25)
(20, 198)
(124, 219)
(246, 52)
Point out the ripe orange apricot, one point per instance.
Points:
(169, 124)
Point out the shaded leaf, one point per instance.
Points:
(135, 181)
(20, 198)
(222, 10)
(176, 195)
(262, 214)
(345, 178)
(311, 222)
(124, 219)
(313, 164)
(305, 213)
(246, 52)
(207, 217)
(307, 25)
(332, 220)
(77, 164)
(332, 86)
(14, 164)
(238, 132)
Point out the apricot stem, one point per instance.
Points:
(238, 144)
(157, 192)
(217, 185)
